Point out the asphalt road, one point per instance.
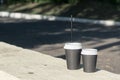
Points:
(49, 37)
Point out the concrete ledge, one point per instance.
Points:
(52, 18)
(30, 65)
(6, 76)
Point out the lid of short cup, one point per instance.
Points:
(89, 52)
(73, 45)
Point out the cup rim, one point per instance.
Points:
(73, 45)
(89, 51)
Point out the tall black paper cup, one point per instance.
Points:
(73, 55)
(89, 58)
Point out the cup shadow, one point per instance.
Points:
(81, 65)
(97, 70)
(61, 56)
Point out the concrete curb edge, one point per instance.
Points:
(52, 18)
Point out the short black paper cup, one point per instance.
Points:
(73, 55)
(89, 58)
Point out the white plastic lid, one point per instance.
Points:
(89, 52)
(73, 45)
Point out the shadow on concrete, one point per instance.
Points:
(62, 56)
(29, 34)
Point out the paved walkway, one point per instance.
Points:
(30, 65)
(49, 37)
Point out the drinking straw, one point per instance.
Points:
(71, 27)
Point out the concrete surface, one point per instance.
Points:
(6, 76)
(53, 18)
(30, 65)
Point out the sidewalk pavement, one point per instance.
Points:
(30, 65)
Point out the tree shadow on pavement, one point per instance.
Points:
(33, 33)
(29, 34)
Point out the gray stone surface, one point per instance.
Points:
(30, 65)
(6, 76)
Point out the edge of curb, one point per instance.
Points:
(52, 18)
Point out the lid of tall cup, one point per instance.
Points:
(73, 45)
(89, 52)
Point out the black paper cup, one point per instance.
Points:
(89, 58)
(73, 55)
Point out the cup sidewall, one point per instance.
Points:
(89, 63)
(73, 58)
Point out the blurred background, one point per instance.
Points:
(93, 9)
(49, 37)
